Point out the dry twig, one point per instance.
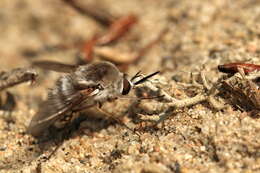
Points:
(16, 76)
(242, 89)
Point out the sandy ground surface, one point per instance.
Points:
(193, 139)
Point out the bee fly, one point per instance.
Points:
(82, 87)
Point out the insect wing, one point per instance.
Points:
(55, 66)
(50, 111)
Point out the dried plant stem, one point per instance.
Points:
(187, 102)
(16, 76)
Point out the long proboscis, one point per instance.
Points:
(145, 78)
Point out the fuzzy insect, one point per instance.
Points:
(82, 87)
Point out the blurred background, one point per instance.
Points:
(173, 36)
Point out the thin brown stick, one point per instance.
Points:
(117, 29)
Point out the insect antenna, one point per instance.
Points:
(138, 74)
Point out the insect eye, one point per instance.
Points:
(126, 87)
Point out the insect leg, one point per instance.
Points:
(108, 115)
